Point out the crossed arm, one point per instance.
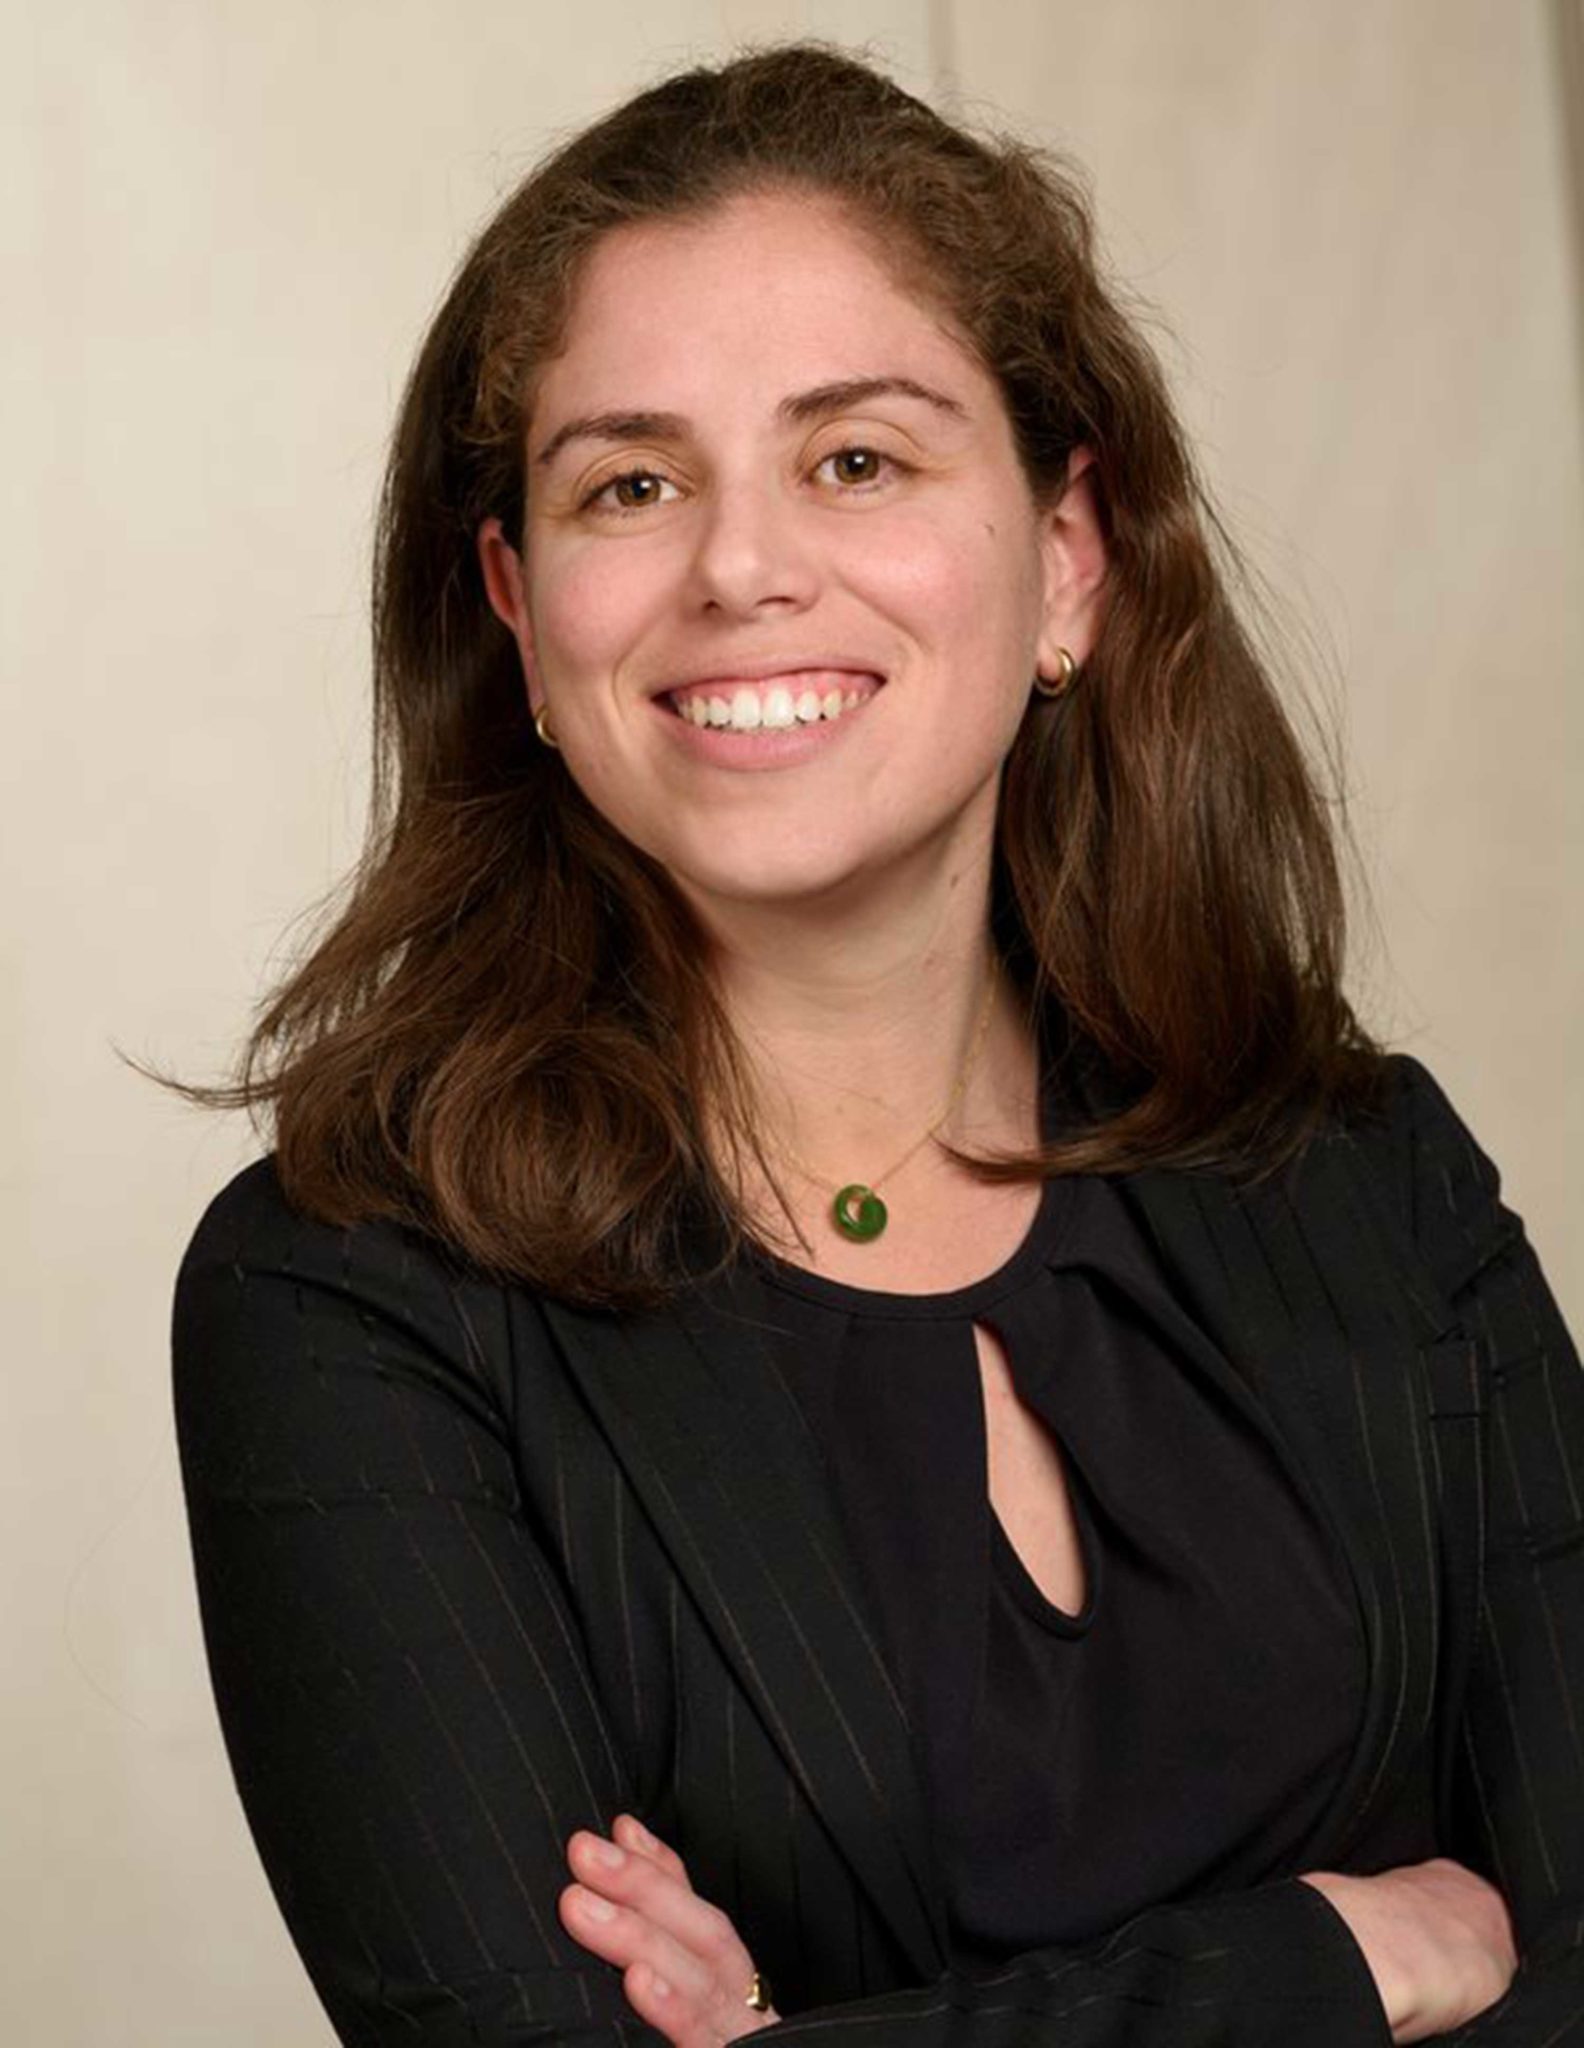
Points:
(420, 1747)
(1437, 1939)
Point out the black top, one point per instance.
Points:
(1182, 1734)
(477, 1570)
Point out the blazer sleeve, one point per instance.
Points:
(1519, 1810)
(404, 1700)
(411, 1721)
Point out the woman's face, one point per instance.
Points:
(767, 486)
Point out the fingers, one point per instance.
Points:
(655, 2001)
(664, 1986)
(684, 1968)
(657, 1889)
(631, 1833)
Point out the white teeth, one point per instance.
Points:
(745, 709)
(778, 710)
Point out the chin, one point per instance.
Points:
(761, 882)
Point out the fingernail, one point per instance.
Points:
(645, 1839)
(608, 1854)
(595, 1907)
(661, 1988)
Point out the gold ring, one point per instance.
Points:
(758, 1994)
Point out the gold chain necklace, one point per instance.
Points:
(856, 1208)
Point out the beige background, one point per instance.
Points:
(223, 229)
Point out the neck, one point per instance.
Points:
(857, 1020)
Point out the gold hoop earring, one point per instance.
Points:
(1062, 683)
(541, 720)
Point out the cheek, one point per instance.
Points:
(909, 562)
(957, 583)
(586, 606)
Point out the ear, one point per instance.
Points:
(1073, 551)
(506, 587)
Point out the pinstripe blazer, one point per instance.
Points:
(477, 1569)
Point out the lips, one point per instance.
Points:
(774, 702)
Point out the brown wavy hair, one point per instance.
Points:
(506, 1033)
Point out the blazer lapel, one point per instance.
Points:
(1299, 1280)
(715, 1446)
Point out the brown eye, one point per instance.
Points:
(640, 488)
(856, 465)
(634, 491)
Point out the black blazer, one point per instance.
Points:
(477, 1569)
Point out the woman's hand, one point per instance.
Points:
(684, 1968)
(1437, 1939)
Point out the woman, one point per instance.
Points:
(838, 1277)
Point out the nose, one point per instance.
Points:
(752, 550)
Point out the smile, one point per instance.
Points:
(774, 703)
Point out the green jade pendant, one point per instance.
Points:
(859, 1212)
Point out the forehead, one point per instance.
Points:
(763, 287)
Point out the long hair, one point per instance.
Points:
(509, 1035)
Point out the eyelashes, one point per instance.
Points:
(876, 455)
(602, 497)
(605, 497)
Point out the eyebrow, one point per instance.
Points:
(800, 407)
